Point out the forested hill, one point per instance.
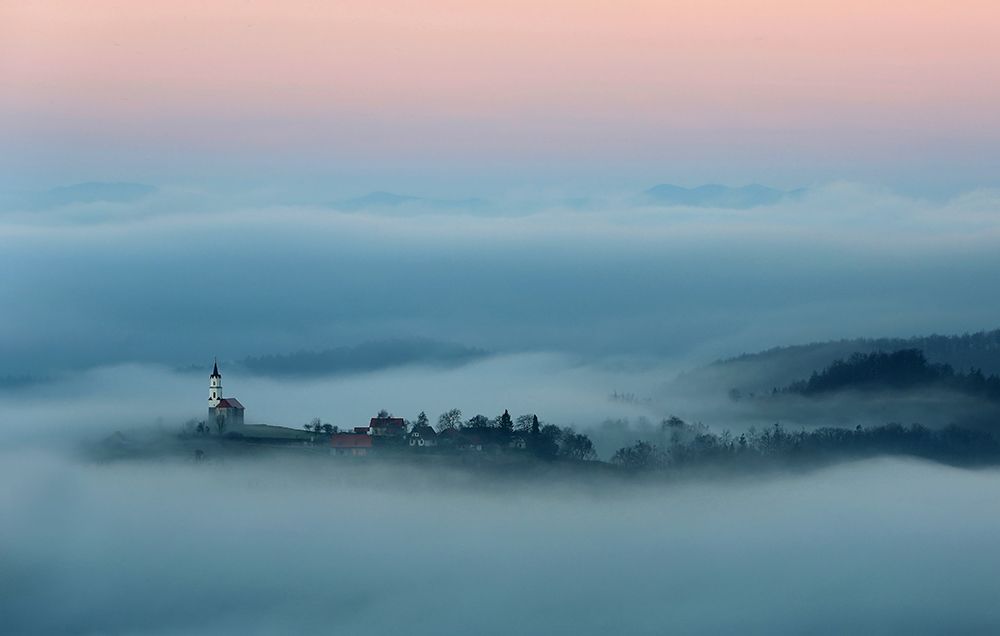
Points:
(904, 370)
(781, 366)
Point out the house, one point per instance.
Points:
(518, 440)
(470, 441)
(423, 436)
(448, 437)
(224, 414)
(387, 427)
(354, 444)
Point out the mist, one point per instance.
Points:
(87, 406)
(282, 540)
(315, 547)
(181, 275)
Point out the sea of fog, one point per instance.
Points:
(560, 389)
(109, 300)
(315, 545)
(615, 401)
(272, 546)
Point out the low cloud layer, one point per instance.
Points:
(185, 274)
(81, 407)
(111, 303)
(280, 546)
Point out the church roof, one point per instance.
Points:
(215, 371)
(229, 403)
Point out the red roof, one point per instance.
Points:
(350, 440)
(229, 403)
(381, 422)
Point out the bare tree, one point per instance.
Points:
(449, 419)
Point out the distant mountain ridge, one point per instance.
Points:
(717, 196)
(93, 192)
(781, 366)
(382, 199)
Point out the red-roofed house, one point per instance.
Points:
(356, 444)
(387, 427)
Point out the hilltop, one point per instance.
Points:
(780, 366)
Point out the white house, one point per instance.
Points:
(423, 436)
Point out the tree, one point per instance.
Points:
(479, 421)
(328, 429)
(575, 445)
(672, 422)
(383, 414)
(639, 456)
(449, 419)
(544, 440)
(551, 431)
(504, 421)
(422, 419)
(523, 422)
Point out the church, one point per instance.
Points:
(224, 413)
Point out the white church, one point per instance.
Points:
(223, 413)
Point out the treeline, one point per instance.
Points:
(547, 441)
(898, 370)
(675, 444)
(979, 350)
(693, 445)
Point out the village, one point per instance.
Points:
(387, 434)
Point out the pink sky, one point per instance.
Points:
(462, 80)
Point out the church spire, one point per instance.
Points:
(214, 386)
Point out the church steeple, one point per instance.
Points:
(214, 386)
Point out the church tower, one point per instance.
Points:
(214, 387)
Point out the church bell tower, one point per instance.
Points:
(214, 387)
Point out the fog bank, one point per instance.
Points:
(181, 275)
(273, 547)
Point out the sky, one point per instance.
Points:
(442, 97)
